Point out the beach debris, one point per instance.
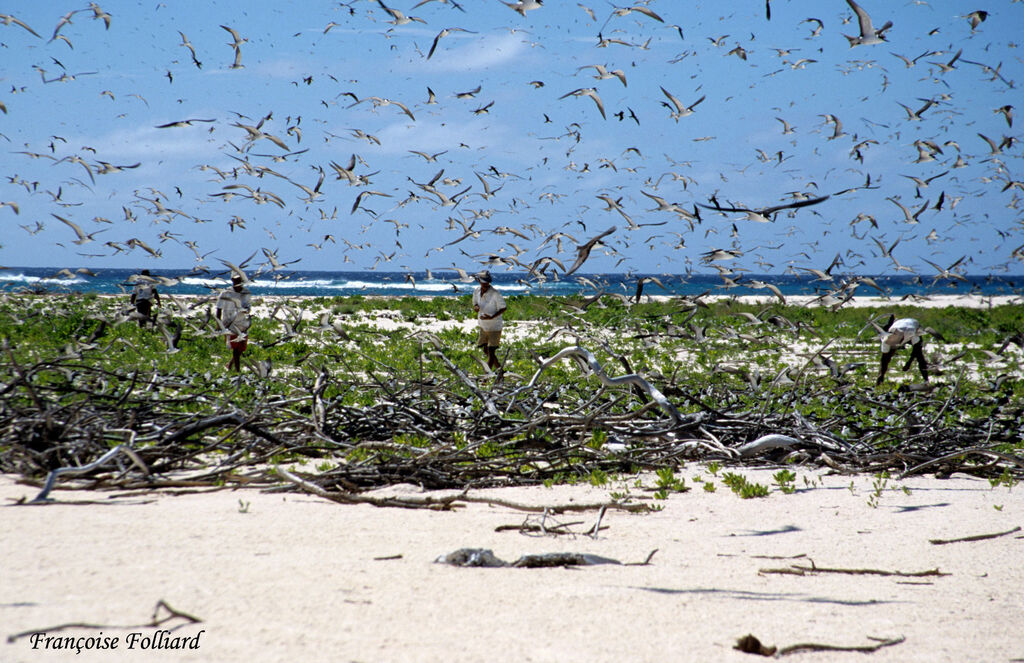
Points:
(440, 426)
(42, 497)
(162, 614)
(976, 537)
(813, 569)
(471, 557)
(766, 443)
(750, 644)
(485, 558)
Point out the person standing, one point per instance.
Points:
(489, 306)
(144, 296)
(233, 306)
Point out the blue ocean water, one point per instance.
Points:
(447, 283)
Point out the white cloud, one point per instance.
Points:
(482, 52)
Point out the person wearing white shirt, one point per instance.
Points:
(897, 334)
(489, 306)
(233, 313)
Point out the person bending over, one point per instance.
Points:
(905, 331)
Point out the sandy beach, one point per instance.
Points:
(292, 576)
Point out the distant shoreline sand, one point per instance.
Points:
(930, 301)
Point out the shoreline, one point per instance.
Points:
(932, 301)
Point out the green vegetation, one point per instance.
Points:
(784, 479)
(746, 364)
(743, 487)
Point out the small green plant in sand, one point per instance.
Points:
(784, 479)
(1004, 479)
(597, 439)
(598, 477)
(713, 467)
(709, 487)
(746, 489)
(879, 484)
(667, 482)
(243, 507)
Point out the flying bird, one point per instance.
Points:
(587, 92)
(237, 45)
(442, 34)
(604, 74)
(182, 123)
(398, 18)
(7, 19)
(766, 214)
(83, 237)
(583, 250)
(523, 6)
(868, 33)
(680, 109)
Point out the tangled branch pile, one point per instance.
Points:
(461, 431)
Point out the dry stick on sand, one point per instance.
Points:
(749, 644)
(153, 622)
(798, 570)
(449, 502)
(976, 537)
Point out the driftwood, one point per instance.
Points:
(749, 644)
(976, 537)
(99, 462)
(62, 419)
(482, 557)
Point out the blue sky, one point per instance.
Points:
(210, 191)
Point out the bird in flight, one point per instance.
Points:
(766, 214)
(442, 34)
(868, 33)
(587, 92)
(523, 6)
(680, 109)
(583, 250)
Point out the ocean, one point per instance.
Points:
(447, 284)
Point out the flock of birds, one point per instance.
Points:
(789, 149)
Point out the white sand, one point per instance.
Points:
(296, 579)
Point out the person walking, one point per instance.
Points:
(144, 297)
(489, 306)
(233, 306)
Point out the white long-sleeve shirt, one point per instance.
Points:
(233, 310)
(901, 332)
(490, 302)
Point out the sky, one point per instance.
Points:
(473, 136)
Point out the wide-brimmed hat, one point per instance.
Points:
(483, 276)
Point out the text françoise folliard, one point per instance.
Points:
(161, 639)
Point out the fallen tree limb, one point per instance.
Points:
(450, 501)
(41, 498)
(976, 537)
(799, 570)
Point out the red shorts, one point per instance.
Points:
(239, 343)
